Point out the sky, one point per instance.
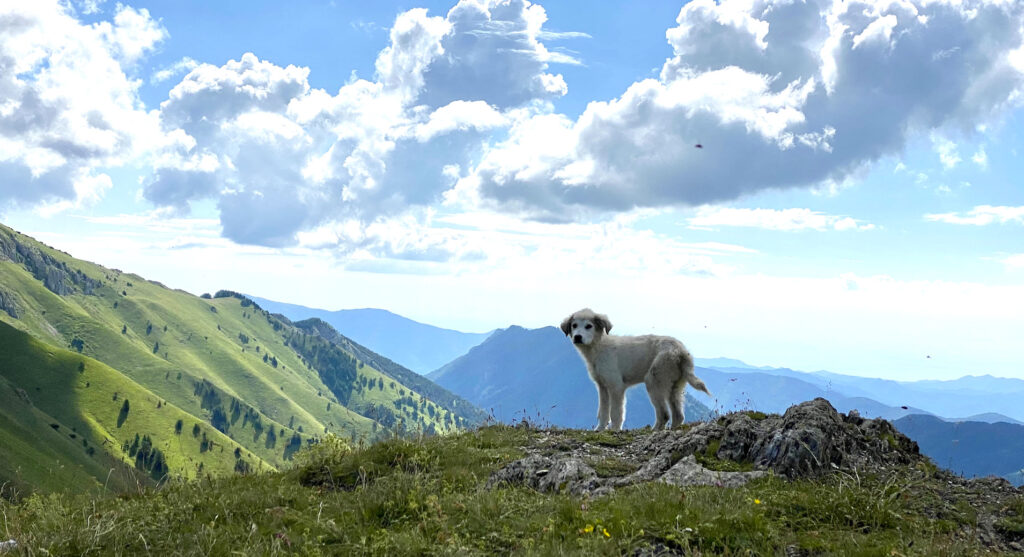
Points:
(802, 183)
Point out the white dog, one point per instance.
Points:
(616, 363)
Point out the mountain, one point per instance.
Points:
(969, 448)
(414, 345)
(990, 398)
(726, 363)
(125, 370)
(988, 418)
(536, 374)
(770, 391)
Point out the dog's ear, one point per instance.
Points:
(602, 321)
(565, 325)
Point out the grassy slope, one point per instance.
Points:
(38, 456)
(83, 403)
(406, 497)
(167, 342)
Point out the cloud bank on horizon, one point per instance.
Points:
(460, 116)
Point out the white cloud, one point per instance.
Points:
(980, 158)
(777, 94)
(89, 7)
(132, 34)
(982, 215)
(774, 219)
(67, 106)
(180, 67)
(282, 159)
(947, 152)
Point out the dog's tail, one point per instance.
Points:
(686, 364)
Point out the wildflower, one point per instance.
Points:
(588, 529)
(605, 532)
(757, 501)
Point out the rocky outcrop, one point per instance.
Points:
(53, 273)
(810, 440)
(8, 303)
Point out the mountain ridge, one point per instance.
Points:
(418, 346)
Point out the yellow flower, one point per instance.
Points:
(589, 528)
(757, 501)
(605, 532)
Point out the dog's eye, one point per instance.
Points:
(588, 326)
(574, 325)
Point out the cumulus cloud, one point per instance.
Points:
(774, 219)
(777, 94)
(67, 105)
(982, 215)
(281, 158)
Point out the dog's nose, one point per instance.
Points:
(577, 339)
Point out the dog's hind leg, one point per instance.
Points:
(660, 403)
(677, 401)
(660, 381)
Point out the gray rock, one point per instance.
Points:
(8, 303)
(549, 475)
(689, 472)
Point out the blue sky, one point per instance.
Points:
(854, 203)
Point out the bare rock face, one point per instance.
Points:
(55, 275)
(8, 303)
(811, 439)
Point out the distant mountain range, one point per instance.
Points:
(416, 346)
(976, 398)
(536, 374)
(969, 448)
(102, 370)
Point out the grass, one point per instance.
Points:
(1012, 523)
(428, 496)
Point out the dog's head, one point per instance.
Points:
(585, 327)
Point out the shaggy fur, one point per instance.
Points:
(616, 363)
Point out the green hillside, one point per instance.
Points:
(214, 383)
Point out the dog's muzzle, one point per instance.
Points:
(577, 339)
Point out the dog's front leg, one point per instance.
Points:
(603, 409)
(617, 400)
